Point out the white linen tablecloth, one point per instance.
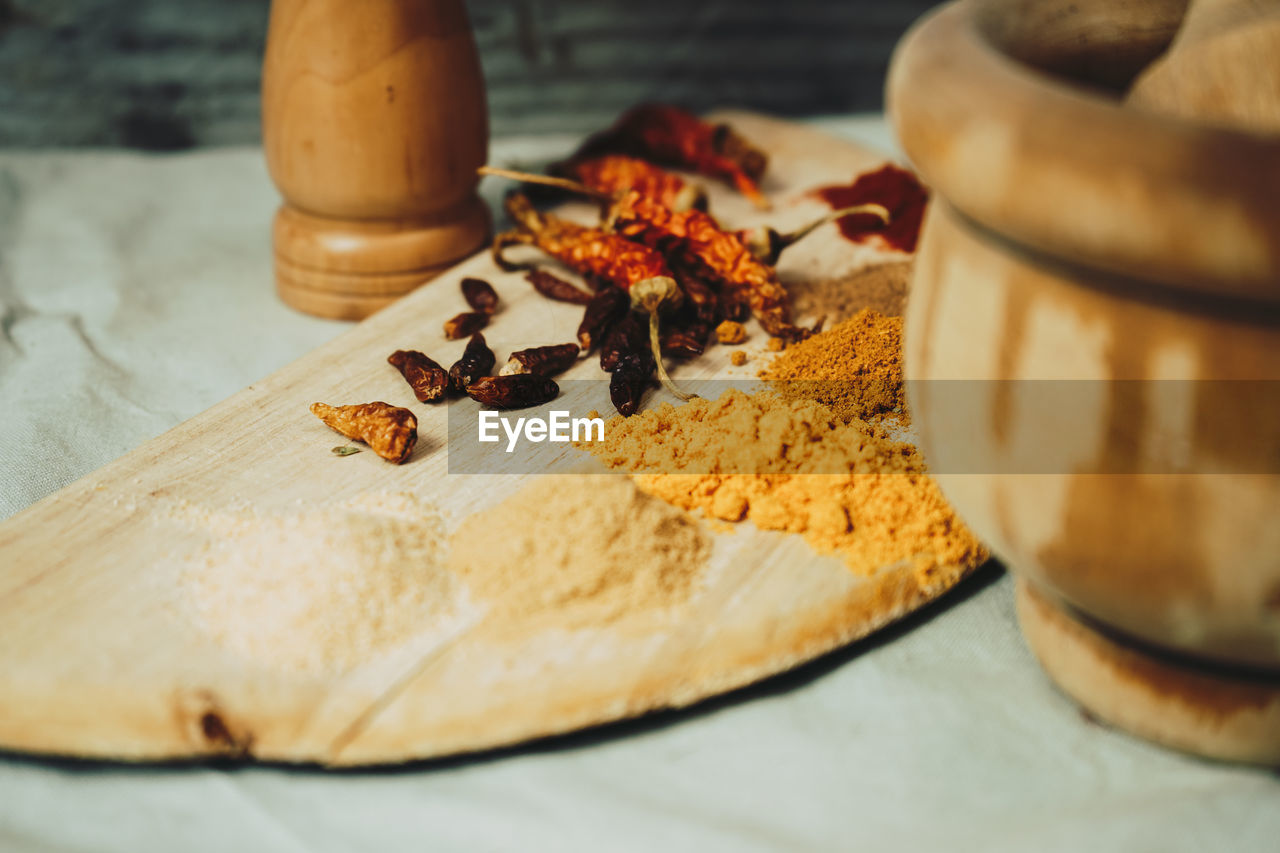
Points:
(136, 291)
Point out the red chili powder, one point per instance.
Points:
(897, 190)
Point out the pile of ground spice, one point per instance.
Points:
(854, 368)
(320, 591)
(882, 288)
(581, 549)
(793, 465)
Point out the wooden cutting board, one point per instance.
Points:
(98, 659)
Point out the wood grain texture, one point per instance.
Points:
(373, 125)
(1062, 170)
(1214, 713)
(100, 656)
(1223, 67)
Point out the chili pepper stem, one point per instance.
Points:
(546, 181)
(656, 345)
(505, 241)
(767, 244)
(877, 210)
(650, 295)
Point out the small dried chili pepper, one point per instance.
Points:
(513, 392)
(609, 305)
(629, 335)
(595, 254)
(480, 295)
(556, 288)
(694, 241)
(391, 432)
(675, 137)
(707, 305)
(466, 323)
(543, 361)
(617, 173)
(627, 384)
(685, 342)
(476, 361)
(428, 379)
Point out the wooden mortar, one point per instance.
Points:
(1222, 68)
(1090, 354)
(373, 123)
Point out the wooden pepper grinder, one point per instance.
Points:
(374, 123)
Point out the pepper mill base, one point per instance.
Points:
(1189, 706)
(348, 269)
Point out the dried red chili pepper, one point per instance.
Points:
(466, 323)
(628, 382)
(628, 335)
(476, 361)
(685, 342)
(617, 173)
(591, 252)
(480, 295)
(608, 258)
(694, 241)
(675, 137)
(543, 361)
(428, 379)
(513, 392)
(606, 308)
(897, 190)
(390, 431)
(556, 288)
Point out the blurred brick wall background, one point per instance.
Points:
(171, 74)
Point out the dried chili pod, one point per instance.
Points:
(618, 173)
(703, 298)
(557, 288)
(672, 136)
(390, 431)
(695, 243)
(466, 323)
(542, 361)
(594, 254)
(480, 295)
(477, 360)
(686, 342)
(513, 392)
(627, 385)
(629, 335)
(428, 379)
(608, 306)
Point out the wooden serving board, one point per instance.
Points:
(99, 658)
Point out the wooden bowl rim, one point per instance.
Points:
(1079, 176)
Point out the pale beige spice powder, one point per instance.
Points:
(320, 591)
(580, 549)
(794, 465)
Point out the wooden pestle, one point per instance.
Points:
(1222, 68)
(374, 123)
